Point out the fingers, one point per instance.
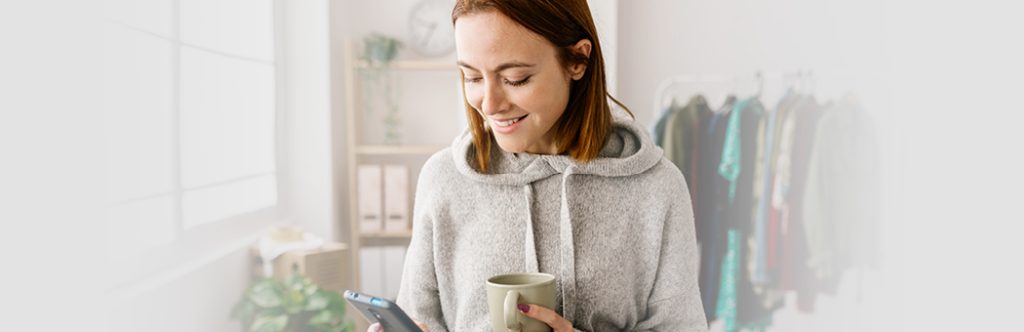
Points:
(548, 316)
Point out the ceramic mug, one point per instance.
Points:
(505, 291)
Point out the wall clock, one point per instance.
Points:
(430, 28)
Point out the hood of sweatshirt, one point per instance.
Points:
(628, 151)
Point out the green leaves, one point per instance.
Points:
(270, 324)
(267, 293)
(331, 318)
(244, 311)
(317, 301)
(296, 304)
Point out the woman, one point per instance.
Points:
(546, 180)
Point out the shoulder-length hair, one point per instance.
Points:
(584, 127)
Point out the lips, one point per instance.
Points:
(506, 126)
(508, 122)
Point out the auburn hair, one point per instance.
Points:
(584, 127)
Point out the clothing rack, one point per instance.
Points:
(762, 224)
(804, 79)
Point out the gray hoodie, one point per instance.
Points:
(617, 233)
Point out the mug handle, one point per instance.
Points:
(511, 316)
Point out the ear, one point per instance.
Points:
(582, 47)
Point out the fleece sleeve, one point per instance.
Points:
(418, 291)
(675, 303)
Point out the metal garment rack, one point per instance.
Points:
(801, 79)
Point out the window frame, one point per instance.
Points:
(208, 240)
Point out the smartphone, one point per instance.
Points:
(383, 311)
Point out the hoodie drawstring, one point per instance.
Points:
(531, 245)
(568, 251)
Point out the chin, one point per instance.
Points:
(512, 147)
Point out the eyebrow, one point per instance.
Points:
(500, 67)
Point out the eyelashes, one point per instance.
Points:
(471, 80)
(519, 82)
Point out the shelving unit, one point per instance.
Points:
(412, 65)
(411, 150)
(358, 153)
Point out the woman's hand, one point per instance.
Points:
(548, 316)
(375, 327)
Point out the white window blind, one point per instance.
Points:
(189, 120)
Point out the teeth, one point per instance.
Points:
(507, 123)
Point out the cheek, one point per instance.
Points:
(549, 99)
(474, 97)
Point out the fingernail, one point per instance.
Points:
(376, 327)
(524, 308)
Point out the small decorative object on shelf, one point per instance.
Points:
(380, 49)
(379, 82)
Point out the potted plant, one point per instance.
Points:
(379, 86)
(294, 305)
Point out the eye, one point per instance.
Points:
(469, 80)
(519, 82)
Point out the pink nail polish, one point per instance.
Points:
(524, 308)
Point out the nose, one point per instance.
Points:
(495, 101)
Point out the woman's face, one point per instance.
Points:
(513, 79)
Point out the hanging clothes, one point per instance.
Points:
(764, 190)
(785, 248)
(842, 200)
(680, 142)
(711, 205)
(762, 187)
(775, 211)
(752, 311)
(726, 307)
(658, 129)
(737, 167)
(762, 260)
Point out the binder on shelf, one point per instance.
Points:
(369, 199)
(396, 199)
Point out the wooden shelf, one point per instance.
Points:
(405, 235)
(398, 149)
(358, 152)
(411, 65)
(385, 239)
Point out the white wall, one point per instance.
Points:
(957, 71)
(308, 195)
(842, 41)
(50, 156)
(195, 297)
(606, 17)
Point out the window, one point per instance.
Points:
(190, 110)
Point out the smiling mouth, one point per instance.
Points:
(510, 122)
